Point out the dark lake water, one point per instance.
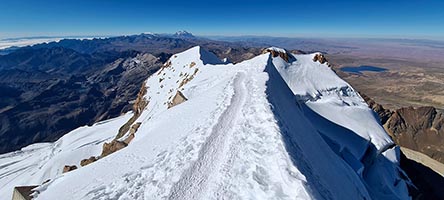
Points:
(362, 68)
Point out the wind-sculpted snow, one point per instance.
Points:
(346, 123)
(245, 132)
(334, 99)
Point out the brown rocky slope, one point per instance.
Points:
(420, 129)
(416, 129)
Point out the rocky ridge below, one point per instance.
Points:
(420, 129)
(419, 132)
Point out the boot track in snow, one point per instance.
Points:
(195, 179)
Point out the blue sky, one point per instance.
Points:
(319, 18)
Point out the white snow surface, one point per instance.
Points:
(330, 97)
(39, 162)
(277, 49)
(259, 129)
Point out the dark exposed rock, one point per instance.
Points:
(88, 161)
(320, 57)
(384, 114)
(135, 127)
(113, 146)
(138, 107)
(68, 168)
(132, 132)
(23, 192)
(275, 53)
(116, 145)
(420, 129)
(416, 128)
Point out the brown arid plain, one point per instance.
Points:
(404, 83)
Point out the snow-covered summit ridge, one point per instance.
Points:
(183, 34)
(277, 49)
(243, 133)
(279, 52)
(342, 117)
(196, 54)
(317, 84)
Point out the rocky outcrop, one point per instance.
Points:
(132, 132)
(141, 102)
(420, 129)
(88, 161)
(319, 57)
(68, 168)
(113, 146)
(138, 107)
(177, 99)
(135, 127)
(187, 77)
(116, 144)
(384, 114)
(23, 192)
(275, 52)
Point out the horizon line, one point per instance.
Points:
(214, 36)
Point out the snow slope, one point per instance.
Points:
(39, 162)
(259, 129)
(343, 118)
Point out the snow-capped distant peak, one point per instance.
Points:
(150, 33)
(183, 34)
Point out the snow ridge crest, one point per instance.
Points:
(198, 53)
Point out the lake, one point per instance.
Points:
(362, 68)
